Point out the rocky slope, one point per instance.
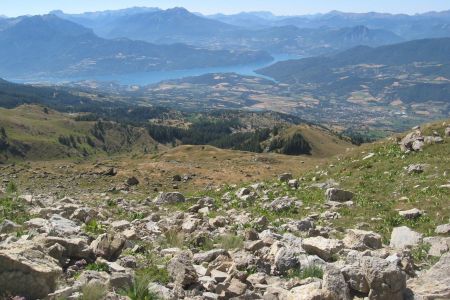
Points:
(318, 235)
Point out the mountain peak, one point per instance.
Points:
(178, 10)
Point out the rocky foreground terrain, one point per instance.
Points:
(319, 235)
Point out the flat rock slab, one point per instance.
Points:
(403, 237)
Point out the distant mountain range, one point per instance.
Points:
(178, 25)
(159, 26)
(48, 45)
(427, 25)
(150, 39)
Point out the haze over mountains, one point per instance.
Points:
(368, 60)
(150, 39)
(51, 45)
(178, 25)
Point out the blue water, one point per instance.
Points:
(144, 78)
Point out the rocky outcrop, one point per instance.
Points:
(26, 270)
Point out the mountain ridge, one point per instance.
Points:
(50, 45)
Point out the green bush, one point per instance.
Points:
(139, 289)
(100, 267)
(14, 210)
(11, 188)
(307, 272)
(94, 227)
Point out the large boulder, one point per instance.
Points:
(170, 198)
(338, 195)
(403, 237)
(322, 247)
(362, 240)
(386, 281)
(27, 271)
(108, 246)
(73, 248)
(181, 270)
(432, 284)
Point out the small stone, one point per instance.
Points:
(218, 222)
(285, 177)
(411, 213)
(218, 276)
(253, 246)
(338, 195)
(415, 169)
(120, 225)
(293, 183)
(132, 181)
(443, 229)
(208, 256)
(244, 194)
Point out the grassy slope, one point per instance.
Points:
(322, 142)
(30, 125)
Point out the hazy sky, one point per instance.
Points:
(280, 7)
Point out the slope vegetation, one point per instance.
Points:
(33, 132)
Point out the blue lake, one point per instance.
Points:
(144, 78)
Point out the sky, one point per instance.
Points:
(14, 8)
